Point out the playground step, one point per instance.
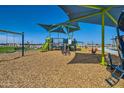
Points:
(112, 81)
(116, 75)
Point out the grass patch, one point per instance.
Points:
(7, 49)
(12, 49)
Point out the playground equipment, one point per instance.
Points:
(72, 44)
(57, 43)
(69, 45)
(63, 28)
(52, 43)
(11, 42)
(118, 72)
(47, 45)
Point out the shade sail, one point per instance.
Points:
(67, 27)
(81, 12)
(47, 27)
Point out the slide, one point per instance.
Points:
(45, 47)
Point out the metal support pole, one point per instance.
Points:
(23, 44)
(103, 51)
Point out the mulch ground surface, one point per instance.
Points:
(52, 69)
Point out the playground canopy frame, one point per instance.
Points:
(60, 28)
(17, 33)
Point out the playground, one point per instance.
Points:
(65, 62)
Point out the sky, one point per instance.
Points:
(25, 19)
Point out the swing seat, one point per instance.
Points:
(94, 51)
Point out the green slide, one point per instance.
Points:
(45, 46)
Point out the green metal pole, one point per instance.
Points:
(103, 32)
(93, 7)
(111, 17)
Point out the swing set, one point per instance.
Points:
(11, 42)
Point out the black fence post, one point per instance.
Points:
(23, 48)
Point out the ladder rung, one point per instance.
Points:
(114, 80)
(110, 82)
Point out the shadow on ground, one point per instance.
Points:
(85, 58)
